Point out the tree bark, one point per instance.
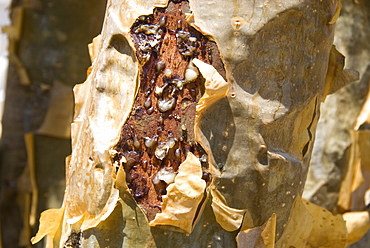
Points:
(195, 127)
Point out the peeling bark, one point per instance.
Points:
(200, 125)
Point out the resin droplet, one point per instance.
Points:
(136, 142)
(203, 158)
(191, 73)
(179, 82)
(162, 149)
(150, 110)
(159, 90)
(165, 105)
(162, 21)
(179, 24)
(192, 39)
(178, 152)
(150, 142)
(148, 103)
(165, 174)
(206, 176)
(155, 179)
(168, 72)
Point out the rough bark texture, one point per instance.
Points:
(52, 51)
(252, 109)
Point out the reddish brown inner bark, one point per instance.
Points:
(163, 41)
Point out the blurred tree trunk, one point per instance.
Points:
(334, 138)
(195, 127)
(48, 55)
(338, 176)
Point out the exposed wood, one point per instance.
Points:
(160, 130)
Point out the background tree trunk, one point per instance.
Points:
(338, 179)
(48, 55)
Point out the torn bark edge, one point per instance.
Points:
(215, 89)
(296, 233)
(336, 76)
(358, 224)
(94, 48)
(50, 222)
(180, 204)
(230, 219)
(337, 13)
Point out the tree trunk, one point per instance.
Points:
(195, 127)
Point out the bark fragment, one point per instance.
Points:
(179, 207)
(50, 223)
